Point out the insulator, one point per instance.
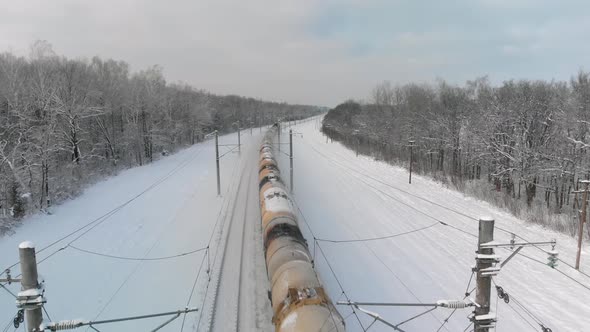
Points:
(453, 304)
(552, 258)
(66, 325)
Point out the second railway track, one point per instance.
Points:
(236, 297)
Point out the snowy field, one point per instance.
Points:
(175, 212)
(344, 197)
(173, 209)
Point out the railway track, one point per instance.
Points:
(235, 301)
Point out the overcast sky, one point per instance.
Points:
(312, 51)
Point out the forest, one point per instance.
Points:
(521, 145)
(65, 123)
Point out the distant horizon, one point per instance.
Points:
(362, 99)
(318, 52)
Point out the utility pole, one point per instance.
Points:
(411, 142)
(291, 155)
(239, 139)
(279, 125)
(217, 162)
(485, 259)
(32, 299)
(582, 221)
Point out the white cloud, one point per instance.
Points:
(266, 49)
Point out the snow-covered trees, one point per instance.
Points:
(528, 140)
(65, 123)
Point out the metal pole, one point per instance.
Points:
(411, 159)
(217, 162)
(29, 280)
(484, 260)
(239, 139)
(291, 155)
(581, 226)
(279, 125)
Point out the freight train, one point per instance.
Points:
(299, 302)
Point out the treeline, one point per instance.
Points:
(522, 145)
(65, 122)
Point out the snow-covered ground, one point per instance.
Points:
(343, 196)
(177, 214)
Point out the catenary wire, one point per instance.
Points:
(138, 258)
(446, 208)
(108, 214)
(370, 249)
(193, 291)
(380, 237)
(456, 228)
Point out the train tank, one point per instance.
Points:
(299, 301)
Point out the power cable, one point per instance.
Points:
(507, 299)
(108, 214)
(8, 325)
(8, 290)
(104, 217)
(46, 313)
(444, 207)
(316, 244)
(370, 249)
(419, 211)
(401, 202)
(364, 174)
(338, 281)
(138, 258)
(380, 237)
(468, 326)
(230, 151)
(193, 291)
(545, 252)
(467, 293)
(563, 273)
(137, 266)
(446, 224)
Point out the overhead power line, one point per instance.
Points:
(510, 298)
(444, 207)
(365, 174)
(397, 199)
(104, 217)
(193, 290)
(316, 244)
(563, 273)
(380, 237)
(138, 258)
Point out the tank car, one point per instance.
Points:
(299, 302)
